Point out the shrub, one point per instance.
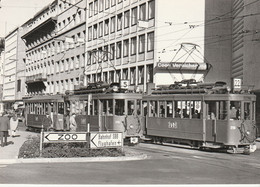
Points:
(31, 149)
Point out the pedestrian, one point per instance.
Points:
(4, 127)
(73, 123)
(67, 121)
(47, 122)
(13, 125)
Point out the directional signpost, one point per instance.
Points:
(106, 140)
(57, 137)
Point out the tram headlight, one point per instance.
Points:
(131, 126)
(248, 132)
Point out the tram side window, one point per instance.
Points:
(119, 107)
(211, 108)
(235, 110)
(161, 109)
(154, 108)
(247, 111)
(186, 109)
(104, 107)
(222, 110)
(177, 109)
(110, 107)
(60, 108)
(95, 107)
(195, 109)
(169, 108)
(138, 107)
(145, 109)
(130, 107)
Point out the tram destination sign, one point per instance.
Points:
(106, 139)
(57, 137)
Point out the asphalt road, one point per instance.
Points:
(164, 165)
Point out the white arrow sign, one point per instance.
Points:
(50, 137)
(106, 139)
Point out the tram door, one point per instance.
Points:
(216, 119)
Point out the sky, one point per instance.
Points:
(14, 13)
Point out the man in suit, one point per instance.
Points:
(4, 126)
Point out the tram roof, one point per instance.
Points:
(45, 98)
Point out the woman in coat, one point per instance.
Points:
(13, 125)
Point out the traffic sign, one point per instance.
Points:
(106, 139)
(52, 137)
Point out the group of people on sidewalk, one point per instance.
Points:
(8, 123)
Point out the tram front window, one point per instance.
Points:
(235, 110)
(130, 107)
(247, 111)
(119, 107)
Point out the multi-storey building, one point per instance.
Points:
(55, 47)
(232, 43)
(136, 40)
(13, 69)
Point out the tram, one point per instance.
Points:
(201, 115)
(108, 108)
(37, 108)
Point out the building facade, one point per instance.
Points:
(126, 39)
(13, 69)
(55, 47)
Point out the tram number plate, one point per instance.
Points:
(64, 137)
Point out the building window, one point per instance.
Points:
(118, 49)
(90, 10)
(89, 60)
(107, 2)
(95, 7)
(90, 33)
(111, 76)
(134, 16)
(150, 41)
(118, 75)
(126, 47)
(142, 12)
(100, 29)
(132, 76)
(101, 5)
(141, 43)
(133, 46)
(126, 19)
(19, 84)
(141, 75)
(125, 74)
(94, 56)
(113, 2)
(105, 53)
(71, 62)
(107, 27)
(100, 55)
(119, 22)
(112, 51)
(149, 73)
(105, 77)
(113, 24)
(95, 32)
(151, 9)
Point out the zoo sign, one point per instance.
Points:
(57, 137)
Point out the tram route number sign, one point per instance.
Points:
(106, 139)
(56, 137)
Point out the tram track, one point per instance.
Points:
(226, 161)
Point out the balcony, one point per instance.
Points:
(36, 78)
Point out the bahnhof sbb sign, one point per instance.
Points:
(112, 139)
